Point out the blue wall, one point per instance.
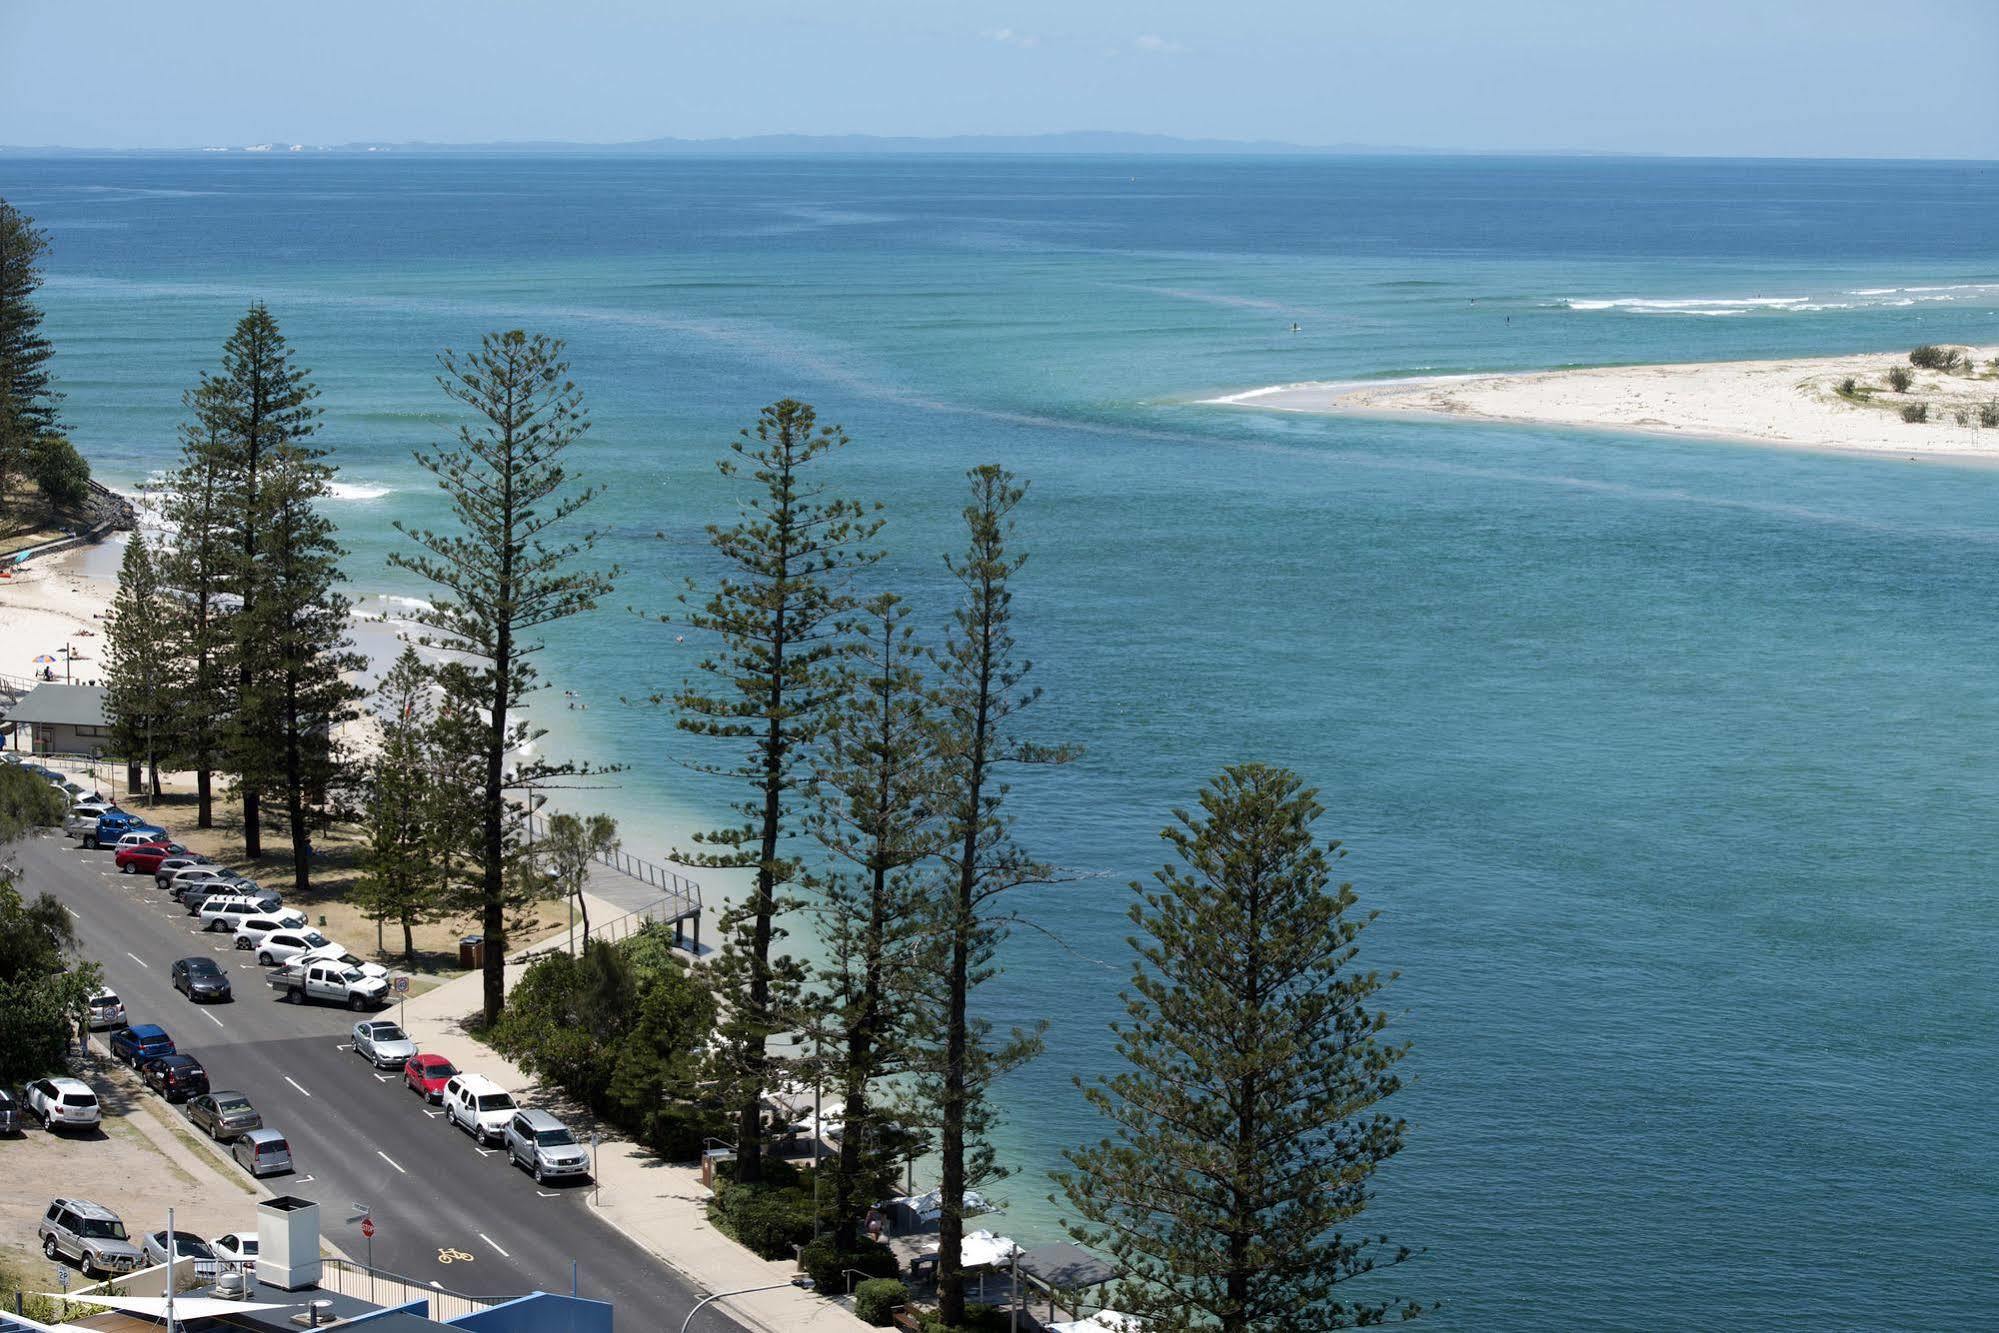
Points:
(540, 1313)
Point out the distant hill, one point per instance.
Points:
(1075, 142)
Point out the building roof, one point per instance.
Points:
(61, 705)
(1065, 1267)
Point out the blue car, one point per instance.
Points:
(136, 1045)
(115, 824)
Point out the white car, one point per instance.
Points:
(478, 1106)
(382, 1043)
(250, 931)
(282, 946)
(106, 1010)
(63, 1103)
(230, 910)
(235, 1249)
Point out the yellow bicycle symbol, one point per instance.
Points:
(449, 1256)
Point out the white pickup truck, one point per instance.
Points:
(329, 983)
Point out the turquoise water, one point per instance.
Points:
(1669, 763)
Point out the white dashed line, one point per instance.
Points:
(392, 1162)
(73, 912)
(211, 1018)
(496, 1249)
(140, 961)
(294, 1082)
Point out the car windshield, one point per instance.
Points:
(104, 1001)
(554, 1138)
(78, 1099)
(352, 977)
(314, 940)
(202, 967)
(103, 1228)
(440, 1069)
(496, 1101)
(389, 1032)
(232, 1104)
(186, 1244)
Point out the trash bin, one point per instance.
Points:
(472, 951)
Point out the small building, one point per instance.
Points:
(60, 719)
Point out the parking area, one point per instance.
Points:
(137, 1163)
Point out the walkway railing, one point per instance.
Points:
(392, 1289)
(679, 900)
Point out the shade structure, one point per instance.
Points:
(983, 1249)
(155, 1307)
(1103, 1321)
(1064, 1267)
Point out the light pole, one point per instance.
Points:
(802, 1282)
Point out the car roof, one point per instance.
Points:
(61, 1084)
(147, 1030)
(198, 961)
(430, 1058)
(477, 1083)
(88, 1207)
(541, 1120)
(219, 1093)
(178, 1060)
(264, 1135)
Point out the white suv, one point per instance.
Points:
(62, 1103)
(231, 910)
(281, 946)
(478, 1106)
(250, 931)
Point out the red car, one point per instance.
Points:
(146, 858)
(426, 1075)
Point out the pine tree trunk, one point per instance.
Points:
(860, 1065)
(409, 943)
(492, 918)
(204, 798)
(295, 793)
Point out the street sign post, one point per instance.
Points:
(400, 984)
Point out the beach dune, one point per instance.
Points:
(1790, 402)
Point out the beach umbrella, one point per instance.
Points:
(44, 658)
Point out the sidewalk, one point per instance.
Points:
(658, 1205)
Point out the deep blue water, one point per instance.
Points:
(1670, 764)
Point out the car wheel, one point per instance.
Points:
(264, 960)
(356, 1003)
(125, 869)
(537, 1173)
(49, 1248)
(91, 1269)
(243, 945)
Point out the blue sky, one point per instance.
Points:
(1750, 77)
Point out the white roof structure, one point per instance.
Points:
(982, 1249)
(929, 1207)
(155, 1307)
(1103, 1321)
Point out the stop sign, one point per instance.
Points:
(368, 1227)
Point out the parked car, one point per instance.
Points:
(262, 1152)
(329, 983)
(163, 873)
(83, 817)
(338, 953)
(382, 1043)
(91, 1235)
(62, 1103)
(223, 1115)
(144, 858)
(478, 1106)
(426, 1075)
(236, 1248)
(10, 1113)
(175, 1077)
(228, 911)
(186, 1245)
(200, 979)
(251, 930)
(281, 946)
(136, 1045)
(539, 1143)
(140, 835)
(105, 1010)
(110, 826)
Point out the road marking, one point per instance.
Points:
(140, 961)
(73, 912)
(433, 1114)
(546, 1194)
(211, 1018)
(384, 1078)
(390, 1160)
(448, 1255)
(344, 1046)
(489, 1240)
(289, 1079)
(484, 1152)
(303, 1180)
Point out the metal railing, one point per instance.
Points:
(680, 897)
(391, 1289)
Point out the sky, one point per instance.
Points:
(1807, 78)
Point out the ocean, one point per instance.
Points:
(1669, 764)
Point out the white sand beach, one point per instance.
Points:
(51, 603)
(1791, 402)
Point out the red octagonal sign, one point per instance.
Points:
(368, 1227)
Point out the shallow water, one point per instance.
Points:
(1667, 762)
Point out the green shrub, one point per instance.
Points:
(875, 1300)
(1847, 388)
(827, 1267)
(61, 472)
(27, 802)
(768, 1220)
(1931, 357)
(1988, 413)
(1899, 378)
(1916, 412)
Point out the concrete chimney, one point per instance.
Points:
(288, 1243)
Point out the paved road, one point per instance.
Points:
(357, 1134)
